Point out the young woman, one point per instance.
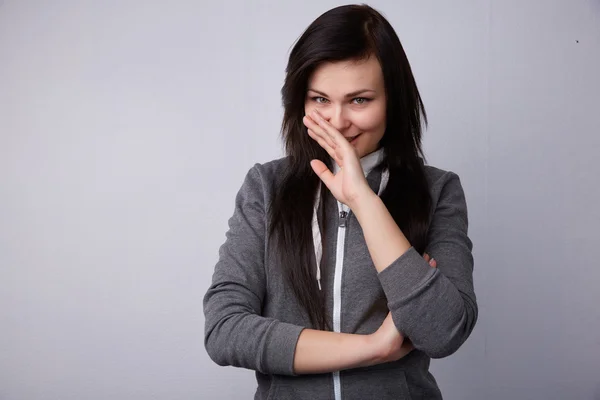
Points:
(325, 285)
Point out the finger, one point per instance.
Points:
(335, 136)
(341, 145)
(433, 263)
(426, 257)
(322, 172)
(322, 142)
(311, 124)
(324, 145)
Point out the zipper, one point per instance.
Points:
(337, 286)
(343, 215)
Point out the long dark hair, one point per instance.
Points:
(350, 32)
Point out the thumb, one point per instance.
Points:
(322, 172)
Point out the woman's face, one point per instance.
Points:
(351, 96)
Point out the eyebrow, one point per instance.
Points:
(353, 94)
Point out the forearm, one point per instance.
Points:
(417, 297)
(385, 240)
(323, 352)
(421, 297)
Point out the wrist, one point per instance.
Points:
(364, 202)
(374, 350)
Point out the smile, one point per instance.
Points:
(352, 138)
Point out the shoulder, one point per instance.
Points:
(262, 178)
(272, 168)
(271, 172)
(438, 176)
(444, 185)
(449, 208)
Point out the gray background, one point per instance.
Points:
(126, 128)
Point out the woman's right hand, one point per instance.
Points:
(388, 343)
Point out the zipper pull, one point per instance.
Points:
(343, 215)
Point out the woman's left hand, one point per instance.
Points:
(349, 184)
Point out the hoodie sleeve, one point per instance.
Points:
(235, 332)
(436, 307)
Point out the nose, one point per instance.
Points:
(338, 118)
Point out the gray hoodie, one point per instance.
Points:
(253, 320)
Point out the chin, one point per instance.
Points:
(362, 151)
(362, 145)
